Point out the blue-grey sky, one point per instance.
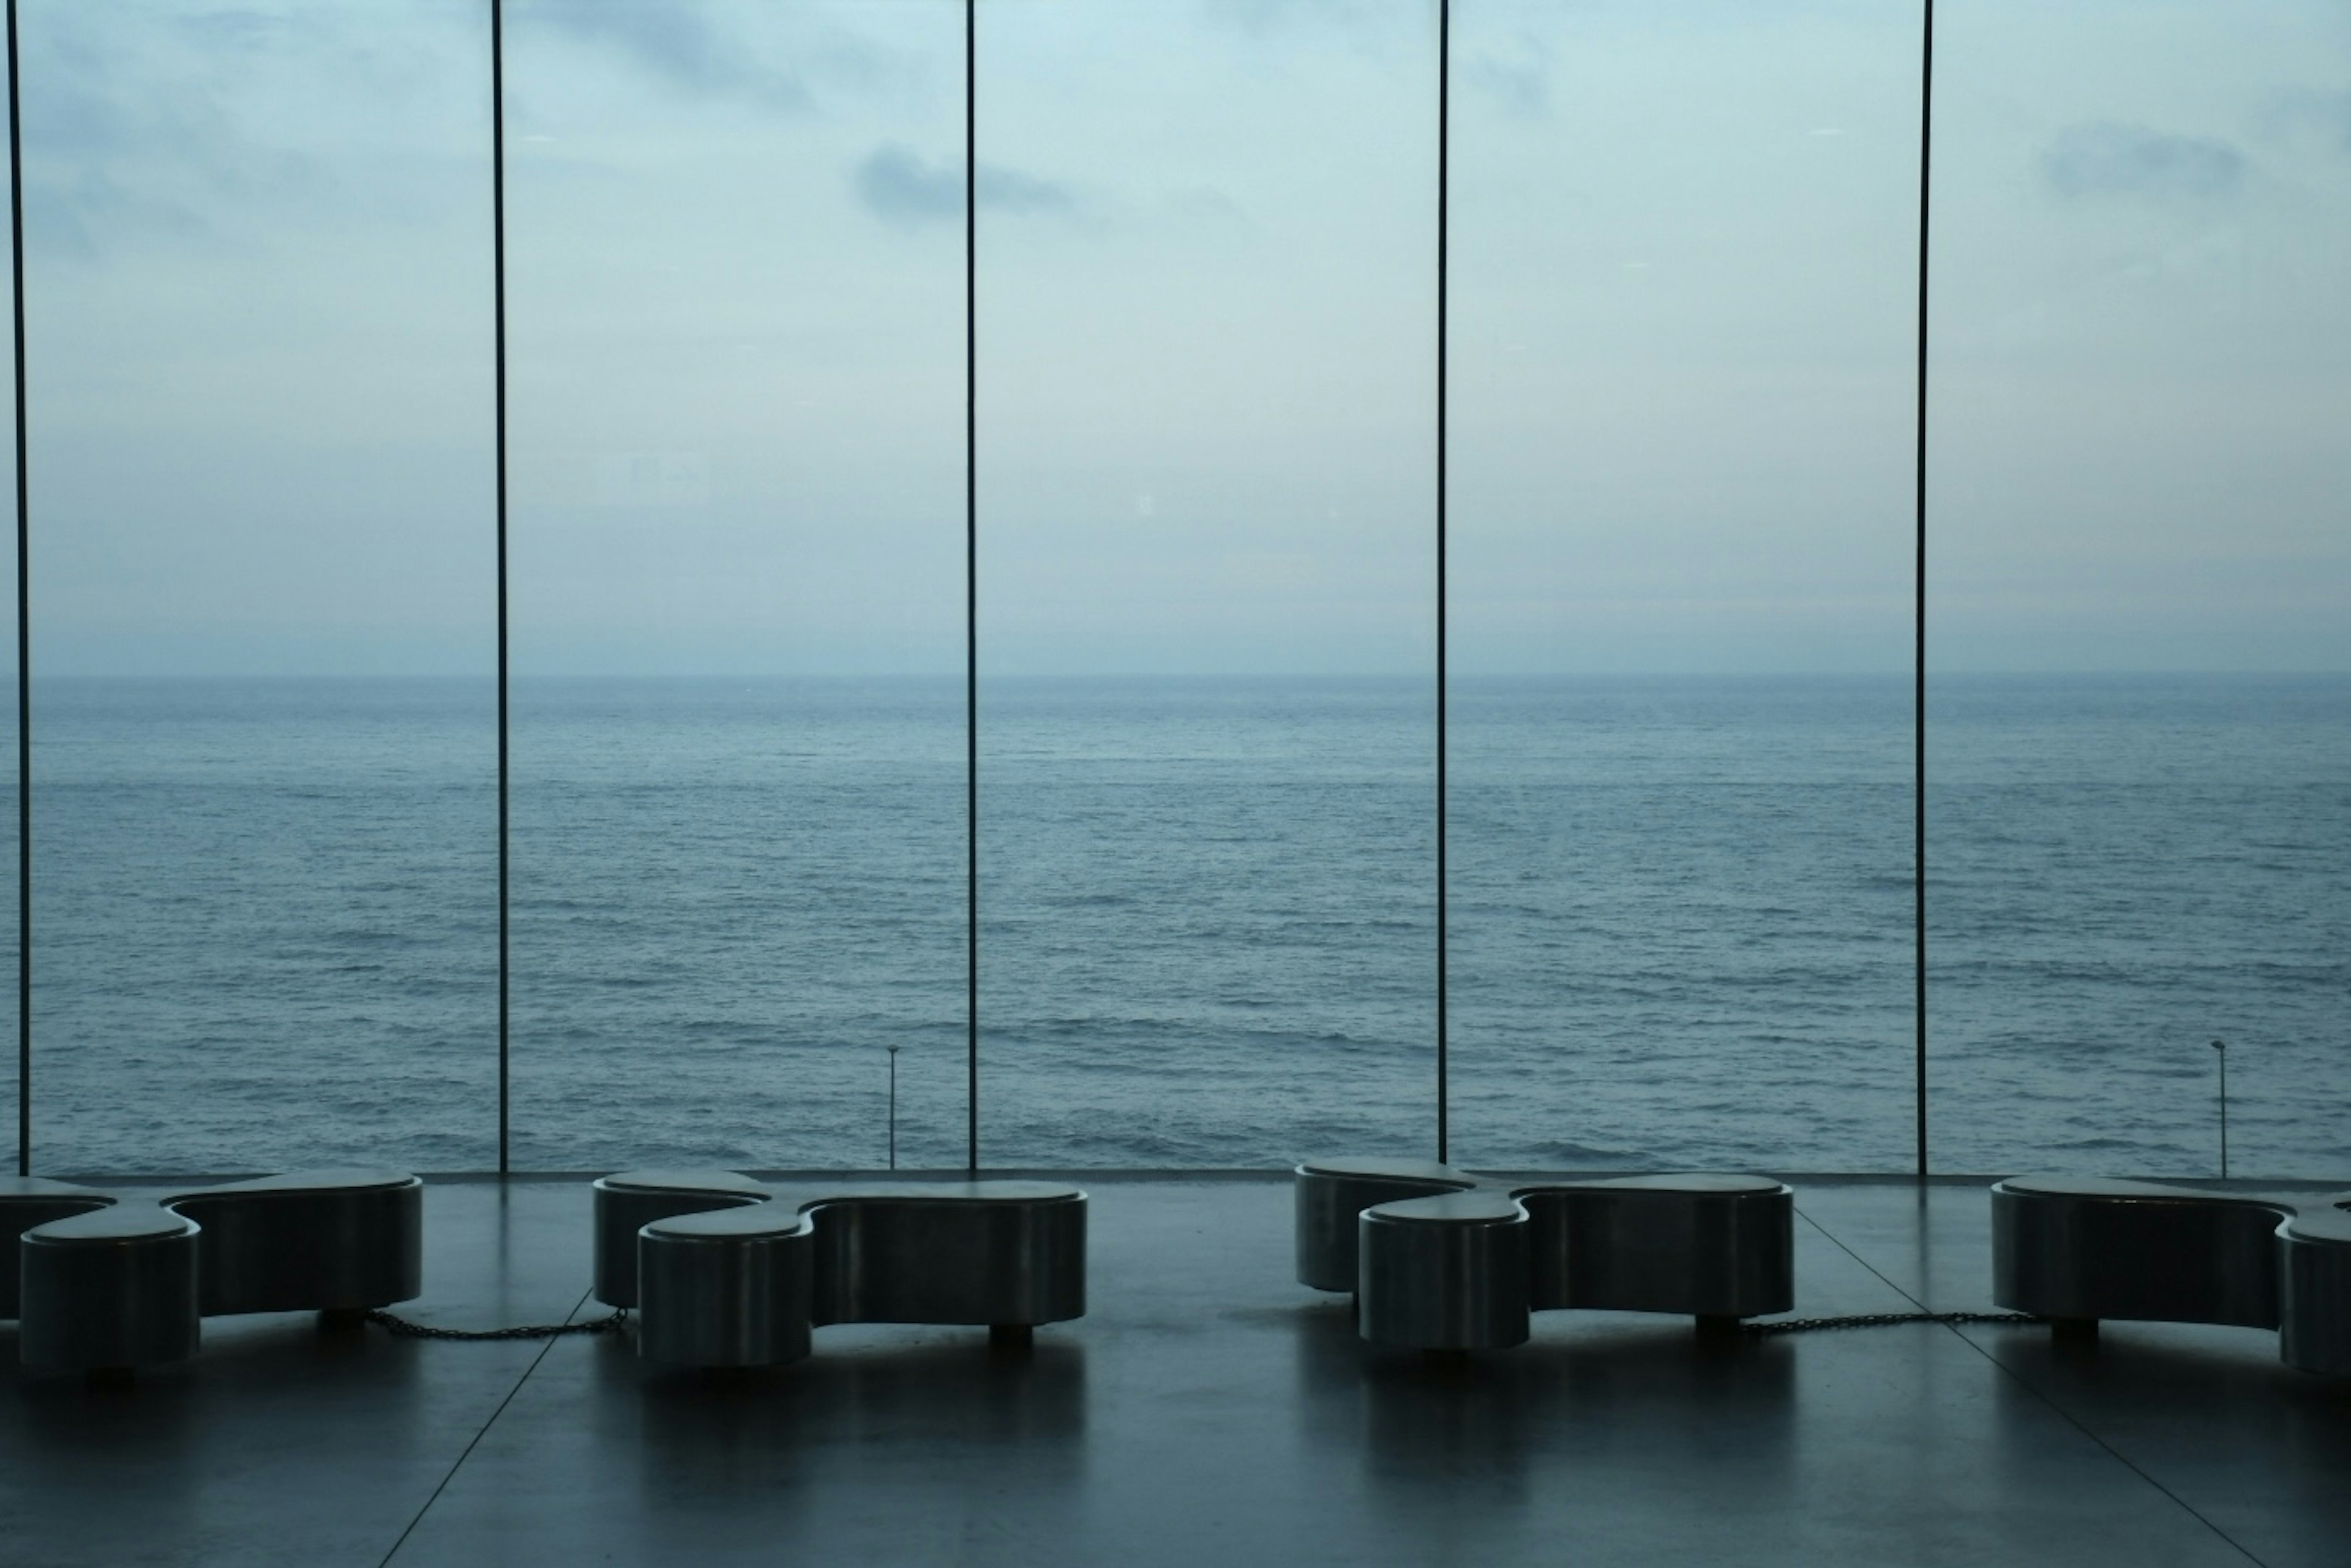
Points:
(1683, 253)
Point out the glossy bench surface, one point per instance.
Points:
(1454, 1209)
(1428, 1171)
(2330, 1221)
(117, 1222)
(1444, 1260)
(2080, 1251)
(726, 1271)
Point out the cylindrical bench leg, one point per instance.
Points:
(1443, 1284)
(109, 1304)
(734, 1301)
(2315, 1328)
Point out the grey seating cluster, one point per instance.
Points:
(723, 1273)
(2075, 1251)
(100, 1282)
(1440, 1260)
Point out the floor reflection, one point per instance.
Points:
(1503, 1419)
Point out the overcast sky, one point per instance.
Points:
(1684, 254)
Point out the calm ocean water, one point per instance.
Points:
(265, 918)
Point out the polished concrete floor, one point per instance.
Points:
(1208, 1411)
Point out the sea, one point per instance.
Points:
(1680, 914)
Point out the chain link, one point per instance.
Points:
(403, 1328)
(1882, 1320)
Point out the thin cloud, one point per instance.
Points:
(1261, 16)
(1516, 75)
(2088, 162)
(673, 40)
(184, 132)
(1009, 190)
(110, 162)
(235, 29)
(898, 186)
(2326, 115)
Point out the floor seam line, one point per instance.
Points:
(475, 1442)
(2026, 1383)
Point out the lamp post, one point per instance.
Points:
(2222, 1046)
(894, 1106)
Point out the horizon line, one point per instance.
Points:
(489, 677)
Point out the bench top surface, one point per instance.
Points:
(1694, 1183)
(2327, 1219)
(2117, 1189)
(1431, 1172)
(120, 1222)
(982, 1191)
(681, 1179)
(741, 1222)
(1449, 1208)
(1393, 1170)
(785, 1218)
(335, 1178)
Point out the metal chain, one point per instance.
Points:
(403, 1328)
(1881, 1320)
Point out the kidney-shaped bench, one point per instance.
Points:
(100, 1282)
(2077, 1250)
(724, 1272)
(1439, 1259)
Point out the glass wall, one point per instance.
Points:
(735, 283)
(264, 716)
(11, 862)
(1684, 307)
(2141, 741)
(1682, 285)
(1206, 339)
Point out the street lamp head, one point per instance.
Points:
(2220, 1045)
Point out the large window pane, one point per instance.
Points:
(1684, 265)
(10, 864)
(2141, 741)
(1207, 252)
(735, 257)
(259, 327)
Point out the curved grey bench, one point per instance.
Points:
(115, 1283)
(725, 1274)
(2076, 1252)
(1440, 1260)
(628, 1202)
(1330, 1196)
(114, 1288)
(326, 1240)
